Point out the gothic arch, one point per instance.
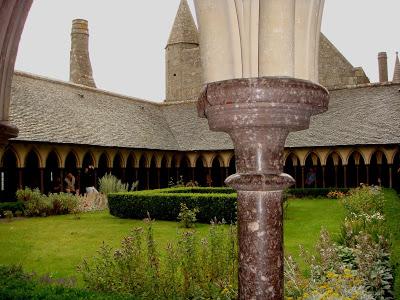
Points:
(15, 153)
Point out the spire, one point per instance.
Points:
(396, 74)
(184, 29)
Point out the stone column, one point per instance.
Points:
(367, 168)
(345, 176)
(62, 179)
(323, 177)
(302, 177)
(258, 114)
(390, 176)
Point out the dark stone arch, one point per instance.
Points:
(200, 172)
(32, 172)
(293, 169)
(334, 175)
(217, 172)
(153, 174)
(396, 172)
(232, 166)
(52, 174)
(311, 169)
(9, 176)
(356, 173)
(102, 168)
(130, 173)
(379, 169)
(173, 172)
(71, 163)
(164, 173)
(184, 170)
(142, 173)
(88, 160)
(117, 167)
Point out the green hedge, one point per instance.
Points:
(165, 204)
(314, 192)
(14, 284)
(13, 206)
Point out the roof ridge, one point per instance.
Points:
(83, 87)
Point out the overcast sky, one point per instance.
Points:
(127, 39)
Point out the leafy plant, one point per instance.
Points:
(111, 184)
(192, 268)
(187, 217)
(8, 215)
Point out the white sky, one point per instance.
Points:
(127, 39)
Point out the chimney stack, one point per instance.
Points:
(383, 68)
(80, 66)
(396, 73)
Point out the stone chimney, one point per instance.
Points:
(396, 73)
(80, 66)
(383, 68)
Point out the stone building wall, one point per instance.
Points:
(335, 69)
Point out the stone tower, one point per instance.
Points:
(80, 66)
(182, 58)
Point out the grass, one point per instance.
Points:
(392, 212)
(56, 245)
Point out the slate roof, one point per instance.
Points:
(51, 111)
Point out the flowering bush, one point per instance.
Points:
(335, 195)
(92, 202)
(187, 217)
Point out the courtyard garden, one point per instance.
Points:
(131, 257)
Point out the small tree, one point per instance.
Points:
(187, 217)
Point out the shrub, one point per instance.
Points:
(92, 202)
(192, 268)
(8, 215)
(38, 206)
(187, 217)
(165, 204)
(314, 192)
(12, 206)
(111, 184)
(63, 203)
(25, 195)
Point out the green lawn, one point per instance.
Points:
(55, 245)
(393, 222)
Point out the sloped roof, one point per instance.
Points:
(57, 112)
(184, 29)
(51, 111)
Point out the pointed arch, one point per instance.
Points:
(10, 174)
(292, 167)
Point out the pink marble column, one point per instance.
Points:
(258, 114)
(13, 14)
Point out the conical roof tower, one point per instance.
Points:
(396, 73)
(182, 58)
(184, 29)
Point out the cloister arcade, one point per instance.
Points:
(40, 165)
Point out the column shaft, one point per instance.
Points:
(260, 220)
